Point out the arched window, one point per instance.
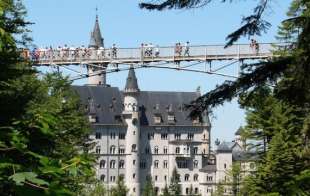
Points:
(186, 177)
(102, 177)
(102, 164)
(196, 190)
(121, 150)
(165, 164)
(165, 150)
(156, 163)
(112, 150)
(177, 150)
(98, 149)
(134, 148)
(121, 164)
(156, 150)
(112, 164)
(196, 177)
(195, 163)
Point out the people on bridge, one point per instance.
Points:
(254, 46)
(114, 51)
(178, 49)
(157, 51)
(186, 51)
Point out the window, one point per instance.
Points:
(112, 164)
(165, 177)
(98, 135)
(186, 177)
(156, 190)
(171, 118)
(156, 150)
(157, 119)
(187, 191)
(112, 150)
(177, 150)
(102, 164)
(133, 176)
(190, 136)
(98, 149)
(195, 150)
(156, 163)
(196, 190)
(112, 135)
(134, 162)
(164, 136)
(102, 177)
(133, 148)
(156, 178)
(121, 150)
(195, 164)
(92, 118)
(142, 164)
(150, 136)
(209, 178)
(204, 136)
(225, 165)
(182, 164)
(121, 164)
(196, 177)
(177, 136)
(165, 150)
(121, 136)
(112, 178)
(165, 164)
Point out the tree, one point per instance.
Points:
(165, 191)
(120, 189)
(148, 189)
(175, 188)
(43, 130)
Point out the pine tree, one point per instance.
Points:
(175, 188)
(148, 189)
(120, 189)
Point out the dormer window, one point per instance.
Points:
(157, 119)
(171, 119)
(92, 118)
(118, 118)
(196, 120)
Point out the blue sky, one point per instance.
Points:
(59, 22)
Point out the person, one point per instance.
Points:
(114, 51)
(142, 50)
(150, 49)
(186, 51)
(156, 51)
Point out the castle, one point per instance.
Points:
(146, 133)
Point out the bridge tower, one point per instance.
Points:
(97, 74)
(131, 117)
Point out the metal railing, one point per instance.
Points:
(150, 54)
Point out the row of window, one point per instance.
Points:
(150, 136)
(121, 164)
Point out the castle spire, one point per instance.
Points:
(96, 39)
(132, 82)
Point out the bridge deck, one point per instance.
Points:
(158, 54)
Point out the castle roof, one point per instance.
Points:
(108, 103)
(96, 39)
(131, 82)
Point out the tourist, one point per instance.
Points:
(114, 51)
(186, 51)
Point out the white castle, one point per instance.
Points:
(146, 133)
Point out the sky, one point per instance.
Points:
(59, 22)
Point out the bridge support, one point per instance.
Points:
(97, 75)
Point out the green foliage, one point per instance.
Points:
(120, 189)
(148, 189)
(43, 130)
(96, 189)
(165, 191)
(175, 188)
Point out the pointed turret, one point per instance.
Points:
(131, 83)
(96, 40)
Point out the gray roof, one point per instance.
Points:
(108, 102)
(245, 156)
(131, 82)
(208, 168)
(225, 147)
(96, 39)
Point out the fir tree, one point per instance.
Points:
(175, 188)
(148, 189)
(120, 189)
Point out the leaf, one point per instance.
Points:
(21, 177)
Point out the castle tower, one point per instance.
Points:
(97, 74)
(131, 117)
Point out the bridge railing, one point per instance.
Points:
(49, 56)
